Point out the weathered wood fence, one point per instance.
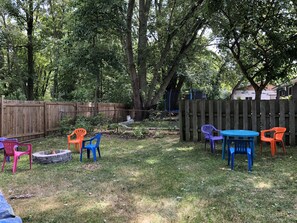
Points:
(33, 119)
(237, 114)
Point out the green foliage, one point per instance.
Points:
(140, 132)
(68, 124)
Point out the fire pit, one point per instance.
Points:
(52, 156)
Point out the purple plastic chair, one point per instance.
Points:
(208, 131)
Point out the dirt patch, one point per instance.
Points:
(91, 166)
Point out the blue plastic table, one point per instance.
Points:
(240, 134)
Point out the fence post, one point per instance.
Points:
(1, 110)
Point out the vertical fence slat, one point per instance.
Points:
(272, 113)
(245, 115)
(263, 115)
(282, 116)
(236, 114)
(219, 114)
(210, 113)
(228, 114)
(181, 120)
(195, 122)
(187, 119)
(202, 115)
(292, 122)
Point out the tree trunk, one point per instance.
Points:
(30, 53)
(136, 96)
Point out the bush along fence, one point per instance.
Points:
(237, 114)
(27, 120)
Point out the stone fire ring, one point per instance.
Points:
(46, 157)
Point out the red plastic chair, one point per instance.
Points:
(76, 138)
(10, 150)
(278, 134)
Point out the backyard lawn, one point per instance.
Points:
(153, 180)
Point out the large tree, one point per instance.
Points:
(261, 36)
(157, 36)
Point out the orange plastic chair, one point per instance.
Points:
(76, 138)
(278, 134)
(10, 150)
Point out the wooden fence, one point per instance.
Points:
(237, 114)
(32, 119)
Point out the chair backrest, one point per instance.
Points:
(80, 132)
(279, 133)
(97, 137)
(207, 130)
(239, 145)
(9, 147)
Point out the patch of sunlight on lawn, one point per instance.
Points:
(140, 147)
(185, 148)
(263, 185)
(87, 207)
(152, 161)
(48, 204)
(148, 208)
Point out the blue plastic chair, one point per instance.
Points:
(239, 146)
(92, 144)
(208, 131)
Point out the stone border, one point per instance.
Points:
(46, 157)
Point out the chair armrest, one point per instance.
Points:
(263, 132)
(28, 145)
(69, 136)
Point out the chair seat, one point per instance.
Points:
(217, 137)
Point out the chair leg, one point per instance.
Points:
(3, 164)
(88, 153)
(94, 154)
(211, 145)
(80, 157)
(284, 149)
(261, 147)
(250, 159)
(15, 163)
(98, 149)
(232, 160)
(232, 155)
(30, 160)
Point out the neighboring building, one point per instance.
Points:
(287, 90)
(248, 93)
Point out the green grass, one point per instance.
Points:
(154, 180)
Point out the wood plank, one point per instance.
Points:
(181, 120)
(194, 120)
(245, 121)
(219, 114)
(282, 121)
(227, 114)
(263, 123)
(292, 122)
(272, 112)
(236, 115)
(254, 115)
(202, 116)
(187, 119)
(210, 112)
